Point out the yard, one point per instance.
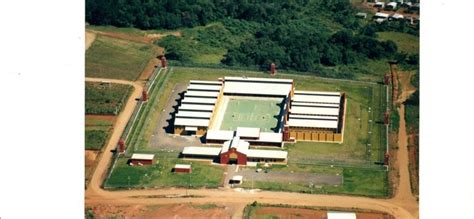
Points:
(258, 112)
(106, 99)
(405, 42)
(116, 58)
(161, 175)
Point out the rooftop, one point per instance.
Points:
(248, 132)
(257, 88)
(191, 122)
(209, 101)
(142, 156)
(251, 79)
(196, 107)
(204, 87)
(308, 123)
(253, 153)
(219, 135)
(315, 111)
(193, 93)
(193, 114)
(182, 166)
(206, 151)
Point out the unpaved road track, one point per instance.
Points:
(403, 205)
(90, 38)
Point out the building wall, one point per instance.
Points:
(225, 157)
(179, 130)
(181, 170)
(201, 131)
(144, 162)
(317, 136)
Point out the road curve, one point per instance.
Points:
(403, 205)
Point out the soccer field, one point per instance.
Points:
(259, 113)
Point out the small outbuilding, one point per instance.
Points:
(341, 215)
(142, 159)
(361, 15)
(391, 6)
(380, 5)
(182, 168)
(237, 179)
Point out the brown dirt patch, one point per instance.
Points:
(166, 211)
(90, 161)
(90, 38)
(413, 165)
(109, 118)
(407, 88)
(149, 68)
(374, 216)
(289, 212)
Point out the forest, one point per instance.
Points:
(299, 35)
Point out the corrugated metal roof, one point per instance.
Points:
(193, 93)
(381, 15)
(191, 122)
(193, 114)
(256, 88)
(341, 215)
(248, 79)
(219, 135)
(333, 105)
(204, 87)
(237, 178)
(327, 93)
(205, 82)
(316, 98)
(197, 107)
(315, 110)
(182, 166)
(208, 101)
(269, 137)
(269, 154)
(143, 156)
(206, 151)
(312, 123)
(248, 132)
(191, 128)
(296, 116)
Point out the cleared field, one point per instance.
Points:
(115, 58)
(160, 175)
(97, 131)
(106, 99)
(405, 42)
(288, 211)
(258, 113)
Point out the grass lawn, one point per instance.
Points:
(160, 175)
(115, 58)
(97, 132)
(106, 99)
(259, 113)
(405, 42)
(356, 181)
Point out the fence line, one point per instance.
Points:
(127, 129)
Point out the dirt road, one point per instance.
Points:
(90, 38)
(120, 124)
(403, 205)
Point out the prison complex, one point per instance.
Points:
(206, 110)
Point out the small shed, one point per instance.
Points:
(237, 179)
(379, 5)
(182, 168)
(391, 6)
(142, 159)
(361, 15)
(341, 215)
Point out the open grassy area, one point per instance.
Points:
(106, 99)
(160, 175)
(260, 113)
(97, 132)
(356, 181)
(115, 58)
(405, 42)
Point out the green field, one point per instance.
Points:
(405, 42)
(257, 113)
(106, 99)
(160, 175)
(97, 132)
(115, 58)
(356, 181)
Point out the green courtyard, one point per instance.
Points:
(257, 113)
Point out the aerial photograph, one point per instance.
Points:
(252, 109)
